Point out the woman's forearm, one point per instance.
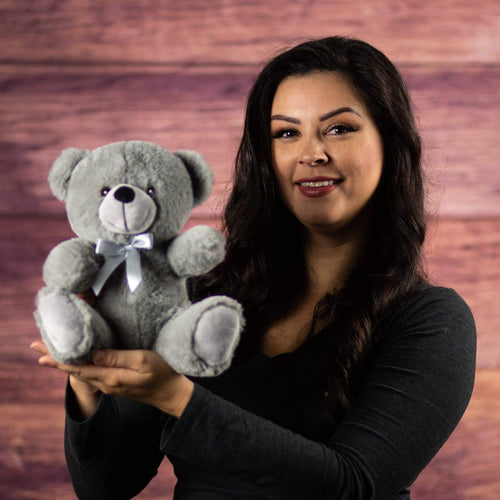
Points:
(85, 400)
(176, 398)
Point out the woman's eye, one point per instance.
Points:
(340, 129)
(285, 133)
(105, 191)
(151, 191)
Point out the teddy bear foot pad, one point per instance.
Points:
(70, 327)
(216, 334)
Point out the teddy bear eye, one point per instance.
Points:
(105, 191)
(151, 191)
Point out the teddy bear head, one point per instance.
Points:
(127, 188)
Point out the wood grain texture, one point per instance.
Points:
(461, 253)
(31, 413)
(44, 110)
(32, 459)
(464, 254)
(32, 464)
(232, 31)
(81, 73)
(466, 468)
(457, 110)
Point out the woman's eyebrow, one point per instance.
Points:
(322, 118)
(345, 109)
(286, 119)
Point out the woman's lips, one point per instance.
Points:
(314, 187)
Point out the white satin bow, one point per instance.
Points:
(115, 254)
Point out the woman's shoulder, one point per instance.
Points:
(433, 334)
(433, 306)
(436, 298)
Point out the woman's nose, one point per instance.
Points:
(314, 154)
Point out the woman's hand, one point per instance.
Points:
(136, 374)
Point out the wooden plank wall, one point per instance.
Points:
(83, 73)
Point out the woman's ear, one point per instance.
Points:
(200, 172)
(61, 170)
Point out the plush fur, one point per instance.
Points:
(116, 193)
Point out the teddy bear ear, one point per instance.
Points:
(61, 170)
(200, 172)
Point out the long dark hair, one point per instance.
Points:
(265, 267)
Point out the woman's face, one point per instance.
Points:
(327, 152)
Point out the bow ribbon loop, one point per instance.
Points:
(115, 254)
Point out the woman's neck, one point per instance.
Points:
(329, 261)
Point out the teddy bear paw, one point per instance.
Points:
(62, 322)
(63, 326)
(217, 334)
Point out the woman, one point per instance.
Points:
(352, 371)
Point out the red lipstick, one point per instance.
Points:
(315, 187)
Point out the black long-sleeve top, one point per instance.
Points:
(258, 432)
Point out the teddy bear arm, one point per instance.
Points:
(196, 251)
(72, 266)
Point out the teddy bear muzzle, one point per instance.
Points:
(127, 209)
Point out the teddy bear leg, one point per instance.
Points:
(200, 340)
(70, 327)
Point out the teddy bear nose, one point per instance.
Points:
(125, 194)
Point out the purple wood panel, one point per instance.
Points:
(464, 254)
(466, 468)
(81, 73)
(31, 412)
(457, 109)
(32, 458)
(45, 109)
(242, 32)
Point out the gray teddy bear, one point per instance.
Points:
(127, 203)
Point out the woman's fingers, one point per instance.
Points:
(139, 374)
(114, 369)
(49, 361)
(46, 359)
(39, 346)
(137, 360)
